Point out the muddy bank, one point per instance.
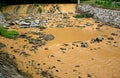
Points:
(8, 67)
(108, 16)
(34, 8)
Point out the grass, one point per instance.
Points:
(39, 10)
(8, 34)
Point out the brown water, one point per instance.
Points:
(100, 60)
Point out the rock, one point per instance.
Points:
(2, 45)
(46, 74)
(89, 76)
(24, 23)
(110, 38)
(24, 54)
(88, 24)
(62, 48)
(2, 19)
(60, 26)
(100, 25)
(37, 21)
(48, 37)
(114, 34)
(99, 38)
(84, 44)
(9, 68)
(1, 76)
(33, 24)
(115, 45)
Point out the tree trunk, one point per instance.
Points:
(78, 2)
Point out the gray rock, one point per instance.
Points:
(9, 69)
(48, 37)
(84, 44)
(37, 21)
(60, 26)
(2, 19)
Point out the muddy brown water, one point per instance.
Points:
(99, 60)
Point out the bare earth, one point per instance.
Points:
(64, 57)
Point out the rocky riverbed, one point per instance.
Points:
(58, 45)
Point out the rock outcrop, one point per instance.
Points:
(108, 16)
(2, 18)
(8, 68)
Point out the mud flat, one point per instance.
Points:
(73, 48)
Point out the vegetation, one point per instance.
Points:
(40, 10)
(36, 4)
(8, 34)
(107, 3)
(26, 20)
(83, 15)
(42, 27)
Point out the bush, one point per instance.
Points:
(42, 27)
(83, 15)
(7, 34)
(26, 20)
(39, 10)
(98, 2)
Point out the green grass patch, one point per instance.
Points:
(8, 34)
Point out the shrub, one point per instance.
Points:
(42, 27)
(36, 4)
(7, 34)
(83, 15)
(26, 20)
(39, 10)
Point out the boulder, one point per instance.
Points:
(48, 37)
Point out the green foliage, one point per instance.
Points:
(84, 15)
(8, 34)
(107, 4)
(26, 20)
(39, 10)
(36, 4)
(98, 2)
(42, 27)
